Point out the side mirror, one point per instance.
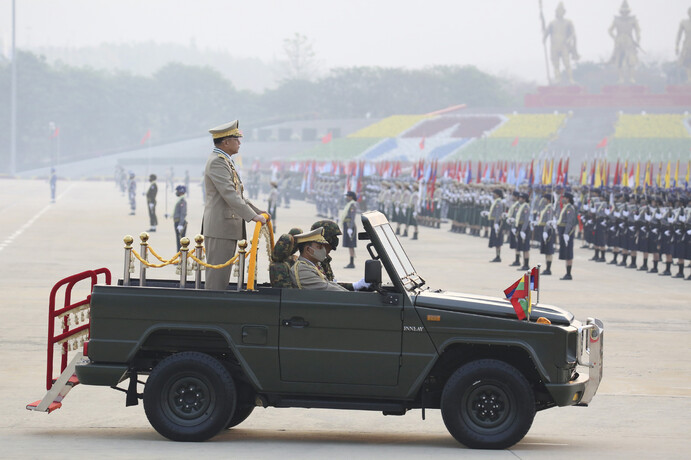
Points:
(373, 272)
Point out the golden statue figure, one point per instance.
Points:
(562, 45)
(627, 36)
(685, 54)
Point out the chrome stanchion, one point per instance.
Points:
(144, 248)
(198, 252)
(242, 244)
(184, 242)
(128, 259)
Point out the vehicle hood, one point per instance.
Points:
(488, 306)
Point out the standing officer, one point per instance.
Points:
(496, 210)
(132, 193)
(226, 209)
(53, 180)
(566, 225)
(180, 214)
(151, 202)
(511, 221)
(349, 227)
(273, 202)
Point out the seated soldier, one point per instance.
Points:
(281, 261)
(305, 272)
(331, 233)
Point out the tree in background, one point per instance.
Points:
(301, 59)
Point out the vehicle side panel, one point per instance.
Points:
(124, 318)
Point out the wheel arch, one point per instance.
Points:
(456, 354)
(516, 353)
(162, 340)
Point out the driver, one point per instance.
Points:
(306, 273)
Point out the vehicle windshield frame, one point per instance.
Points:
(391, 251)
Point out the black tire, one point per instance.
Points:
(240, 415)
(189, 396)
(488, 404)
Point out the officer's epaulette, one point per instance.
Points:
(220, 155)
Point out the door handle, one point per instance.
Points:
(296, 322)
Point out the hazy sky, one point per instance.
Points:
(501, 36)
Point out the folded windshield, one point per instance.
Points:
(399, 259)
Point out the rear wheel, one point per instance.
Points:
(488, 404)
(189, 396)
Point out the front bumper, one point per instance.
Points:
(589, 353)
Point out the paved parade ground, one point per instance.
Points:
(640, 411)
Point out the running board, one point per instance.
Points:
(53, 398)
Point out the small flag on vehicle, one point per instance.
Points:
(519, 296)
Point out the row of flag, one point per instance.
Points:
(599, 174)
(550, 172)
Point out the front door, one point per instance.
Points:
(339, 337)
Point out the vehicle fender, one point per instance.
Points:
(493, 342)
(201, 328)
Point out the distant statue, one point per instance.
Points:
(685, 54)
(627, 36)
(562, 45)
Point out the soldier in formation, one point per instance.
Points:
(566, 226)
(546, 230)
(633, 222)
(412, 211)
(494, 216)
(521, 230)
(349, 226)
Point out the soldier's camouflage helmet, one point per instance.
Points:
(295, 231)
(283, 248)
(331, 231)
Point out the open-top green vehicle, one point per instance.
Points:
(212, 357)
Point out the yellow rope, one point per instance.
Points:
(151, 250)
(231, 261)
(173, 260)
(253, 255)
(251, 269)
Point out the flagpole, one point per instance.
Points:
(537, 300)
(13, 97)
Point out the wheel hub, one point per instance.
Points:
(487, 406)
(188, 398)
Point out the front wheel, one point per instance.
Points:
(488, 404)
(189, 396)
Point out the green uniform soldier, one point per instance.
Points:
(566, 225)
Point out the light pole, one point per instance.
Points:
(13, 98)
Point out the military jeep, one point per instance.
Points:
(211, 357)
